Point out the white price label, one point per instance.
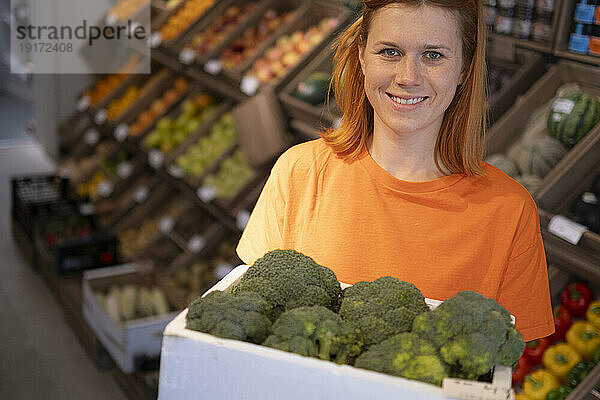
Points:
(124, 169)
(241, 219)
(87, 208)
(105, 188)
(111, 19)
(165, 225)
(566, 229)
(121, 132)
(91, 137)
(589, 198)
(196, 244)
(156, 158)
(100, 117)
(337, 123)
(249, 85)
(213, 67)
(187, 56)
(207, 193)
(83, 103)
(564, 106)
(222, 270)
(175, 171)
(155, 40)
(141, 194)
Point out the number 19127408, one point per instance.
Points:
(46, 47)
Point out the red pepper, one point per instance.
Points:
(562, 323)
(535, 349)
(521, 370)
(576, 298)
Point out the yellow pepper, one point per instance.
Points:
(593, 313)
(522, 396)
(559, 359)
(537, 384)
(584, 338)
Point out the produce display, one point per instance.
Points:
(78, 169)
(169, 132)
(56, 228)
(572, 117)
(540, 155)
(159, 106)
(201, 155)
(464, 337)
(231, 177)
(189, 13)
(289, 49)
(313, 90)
(124, 303)
(104, 86)
(247, 43)
(90, 189)
(126, 8)
(204, 42)
(118, 106)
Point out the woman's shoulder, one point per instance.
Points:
(499, 182)
(305, 157)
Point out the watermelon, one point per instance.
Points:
(572, 116)
(540, 155)
(503, 163)
(314, 88)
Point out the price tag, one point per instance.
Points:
(213, 67)
(187, 56)
(249, 85)
(564, 106)
(141, 194)
(87, 208)
(100, 117)
(566, 229)
(125, 169)
(337, 123)
(83, 103)
(165, 225)
(91, 137)
(222, 270)
(589, 198)
(175, 171)
(155, 40)
(241, 219)
(207, 193)
(156, 158)
(196, 244)
(105, 188)
(112, 19)
(121, 132)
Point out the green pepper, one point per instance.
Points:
(559, 394)
(579, 372)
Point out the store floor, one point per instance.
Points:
(40, 356)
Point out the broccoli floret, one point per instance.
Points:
(406, 355)
(287, 279)
(382, 308)
(472, 332)
(315, 332)
(221, 314)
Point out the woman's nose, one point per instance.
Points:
(408, 72)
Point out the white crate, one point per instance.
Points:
(196, 365)
(127, 340)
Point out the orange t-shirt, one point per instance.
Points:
(449, 234)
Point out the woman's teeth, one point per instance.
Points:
(407, 101)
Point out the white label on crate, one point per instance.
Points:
(213, 66)
(156, 158)
(589, 198)
(222, 270)
(207, 193)
(196, 244)
(121, 132)
(125, 169)
(91, 137)
(141, 194)
(87, 208)
(175, 171)
(564, 106)
(566, 229)
(83, 103)
(111, 19)
(187, 56)
(249, 85)
(155, 40)
(105, 188)
(100, 117)
(337, 122)
(165, 225)
(241, 219)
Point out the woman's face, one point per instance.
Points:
(412, 63)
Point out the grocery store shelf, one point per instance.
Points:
(526, 44)
(584, 58)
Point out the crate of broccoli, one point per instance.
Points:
(286, 328)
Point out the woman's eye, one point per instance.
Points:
(389, 52)
(433, 55)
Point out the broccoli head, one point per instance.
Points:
(315, 332)
(382, 308)
(472, 332)
(287, 279)
(406, 355)
(221, 314)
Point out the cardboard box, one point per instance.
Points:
(123, 341)
(196, 365)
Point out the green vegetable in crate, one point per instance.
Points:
(315, 332)
(531, 182)
(314, 88)
(231, 177)
(503, 163)
(241, 317)
(407, 355)
(127, 302)
(540, 155)
(572, 117)
(579, 372)
(288, 279)
(382, 308)
(473, 333)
